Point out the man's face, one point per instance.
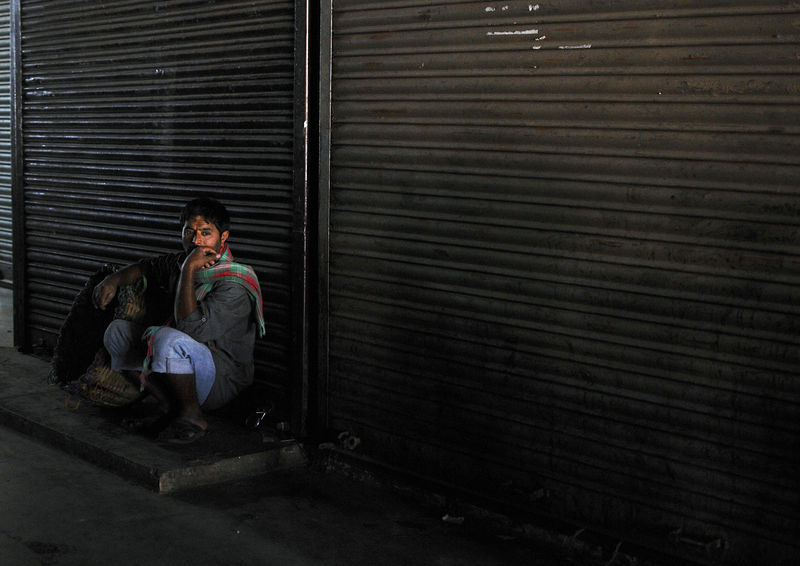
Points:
(199, 233)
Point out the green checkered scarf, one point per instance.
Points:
(228, 270)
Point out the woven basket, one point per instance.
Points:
(131, 301)
(103, 386)
(110, 388)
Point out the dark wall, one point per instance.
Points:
(127, 110)
(564, 260)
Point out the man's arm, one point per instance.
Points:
(105, 291)
(185, 300)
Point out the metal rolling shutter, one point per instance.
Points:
(131, 108)
(5, 151)
(564, 259)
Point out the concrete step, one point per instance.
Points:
(28, 403)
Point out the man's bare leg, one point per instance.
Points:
(156, 388)
(164, 411)
(184, 392)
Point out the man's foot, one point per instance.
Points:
(150, 426)
(182, 431)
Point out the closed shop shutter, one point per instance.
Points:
(565, 256)
(5, 150)
(131, 108)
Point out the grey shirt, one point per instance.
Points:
(223, 321)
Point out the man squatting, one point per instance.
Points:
(203, 357)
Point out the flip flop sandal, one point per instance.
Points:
(182, 432)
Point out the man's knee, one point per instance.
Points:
(121, 334)
(172, 351)
(169, 343)
(122, 340)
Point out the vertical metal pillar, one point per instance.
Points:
(323, 235)
(304, 180)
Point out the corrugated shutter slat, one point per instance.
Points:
(6, 261)
(130, 109)
(565, 254)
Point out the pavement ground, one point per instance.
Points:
(58, 509)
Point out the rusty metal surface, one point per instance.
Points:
(130, 109)
(565, 256)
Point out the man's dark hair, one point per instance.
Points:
(209, 208)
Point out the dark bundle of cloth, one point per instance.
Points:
(81, 334)
(81, 364)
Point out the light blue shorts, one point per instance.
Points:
(173, 352)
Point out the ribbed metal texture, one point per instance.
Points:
(130, 109)
(565, 257)
(6, 262)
